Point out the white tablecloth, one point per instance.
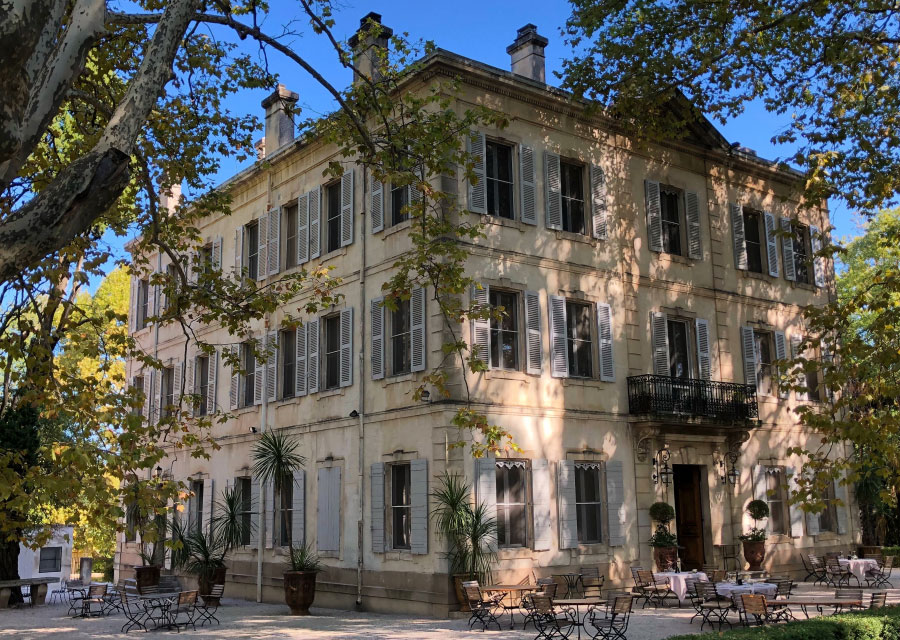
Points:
(859, 567)
(677, 580)
(729, 589)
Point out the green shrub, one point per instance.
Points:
(104, 566)
(662, 512)
(891, 551)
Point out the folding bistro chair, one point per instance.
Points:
(591, 582)
(209, 604)
(848, 594)
(837, 575)
(134, 610)
(59, 594)
(879, 600)
(880, 576)
(551, 622)
(756, 610)
(546, 587)
(639, 589)
(656, 590)
(614, 622)
(714, 607)
(484, 610)
(94, 601)
(181, 612)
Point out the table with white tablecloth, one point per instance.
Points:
(859, 566)
(678, 580)
(729, 589)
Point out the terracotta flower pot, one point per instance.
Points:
(299, 591)
(665, 558)
(754, 554)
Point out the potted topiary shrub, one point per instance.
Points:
(663, 541)
(300, 579)
(754, 541)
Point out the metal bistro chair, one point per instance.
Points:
(209, 604)
(134, 610)
(837, 575)
(591, 582)
(694, 597)
(484, 610)
(95, 597)
(182, 611)
(756, 609)
(639, 589)
(717, 575)
(546, 587)
(879, 600)
(709, 568)
(880, 575)
(614, 622)
(657, 590)
(714, 607)
(551, 622)
(59, 594)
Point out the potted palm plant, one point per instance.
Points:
(663, 541)
(754, 541)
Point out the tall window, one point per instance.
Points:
(290, 236)
(205, 257)
(202, 383)
(248, 364)
(284, 501)
(167, 392)
(196, 513)
(137, 385)
(679, 358)
(828, 517)
(499, 175)
(588, 502)
(777, 499)
(765, 368)
(579, 320)
(170, 287)
(753, 235)
(251, 250)
(669, 202)
(511, 503)
(399, 200)
(572, 183)
(332, 329)
(400, 339)
(801, 244)
(333, 216)
(505, 331)
(246, 513)
(50, 560)
(287, 344)
(401, 506)
(143, 303)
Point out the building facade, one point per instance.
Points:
(646, 295)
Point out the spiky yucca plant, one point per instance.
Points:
(275, 459)
(469, 529)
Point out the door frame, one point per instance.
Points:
(702, 475)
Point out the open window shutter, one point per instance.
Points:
(771, 245)
(270, 514)
(812, 524)
(794, 510)
(481, 327)
(133, 308)
(749, 349)
(301, 374)
(787, 249)
(148, 394)
(781, 354)
(211, 383)
(262, 253)
(377, 358)
(660, 330)
(312, 356)
(418, 475)
(177, 383)
(759, 482)
(739, 236)
(216, 257)
(234, 393)
(303, 229)
(486, 491)
(238, 251)
(528, 190)
(477, 192)
(272, 366)
(254, 515)
(207, 506)
(155, 295)
(654, 215)
(191, 386)
(615, 502)
(568, 513)
(818, 261)
(559, 358)
(347, 195)
(795, 353)
(692, 215)
(552, 192)
(414, 194)
(417, 329)
(598, 203)
(328, 530)
(260, 366)
(377, 207)
(605, 340)
(703, 359)
(534, 359)
(376, 491)
(346, 347)
(157, 395)
(274, 242)
(315, 200)
(298, 508)
(540, 491)
(842, 510)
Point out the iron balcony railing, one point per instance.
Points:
(666, 395)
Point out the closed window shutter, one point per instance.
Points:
(298, 508)
(148, 394)
(157, 399)
(843, 521)
(254, 516)
(781, 354)
(818, 261)
(739, 236)
(692, 215)
(486, 490)
(178, 382)
(301, 374)
(559, 357)
(749, 349)
(812, 524)
(417, 329)
(598, 203)
(477, 190)
(481, 327)
(270, 514)
(654, 215)
(615, 502)
(346, 323)
(414, 194)
(238, 251)
(796, 513)
(568, 512)
(260, 367)
(528, 188)
(534, 359)
(274, 242)
(216, 257)
(133, 309)
(540, 491)
(377, 206)
(347, 195)
(262, 254)
(376, 491)
(771, 245)
(552, 192)
(660, 329)
(207, 506)
(312, 356)
(795, 353)
(703, 358)
(828, 361)
(605, 340)
(303, 229)
(377, 357)
(787, 249)
(418, 475)
(155, 295)
(328, 521)
(315, 200)
(234, 393)
(191, 387)
(272, 365)
(211, 383)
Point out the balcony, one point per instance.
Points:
(680, 398)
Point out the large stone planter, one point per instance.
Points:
(299, 591)
(665, 557)
(146, 576)
(754, 554)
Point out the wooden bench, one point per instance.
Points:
(38, 589)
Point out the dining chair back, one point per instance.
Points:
(879, 600)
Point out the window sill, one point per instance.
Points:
(330, 392)
(397, 228)
(591, 548)
(329, 554)
(576, 237)
(827, 536)
(757, 276)
(502, 374)
(406, 377)
(803, 285)
(515, 553)
(502, 222)
(245, 409)
(332, 255)
(779, 538)
(581, 382)
(676, 258)
(399, 554)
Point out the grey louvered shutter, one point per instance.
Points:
(812, 524)
(347, 200)
(272, 365)
(692, 215)
(796, 513)
(787, 249)
(377, 357)
(795, 353)
(133, 307)
(262, 253)
(376, 491)
(216, 254)
(815, 241)
(533, 357)
(481, 327)
(781, 354)
(274, 242)
(303, 229)
(191, 387)
(738, 236)
(157, 395)
(212, 377)
(552, 192)
(528, 188)
(654, 215)
(559, 357)
(418, 475)
(599, 211)
(568, 511)
(842, 510)
(328, 521)
(312, 356)
(315, 201)
(660, 330)
(346, 325)
(417, 329)
(377, 206)
(703, 357)
(269, 514)
(477, 191)
(486, 490)
(540, 491)
(771, 245)
(177, 383)
(748, 347)
(605, 342)
(413, 191)
(301, 374)
(148, 394)
(760, 488)
(234, 392)
(254, 516)
(207, 506)
(298, 508)
(615, 502)
(259, 373)
(238, 252)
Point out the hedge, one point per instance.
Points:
(878, 624)
(891, 551)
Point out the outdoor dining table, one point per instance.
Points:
(818, 603)
(514, 593)
(729, 589)
(571, 579)
(678, 581)
(75, 603)
(859, 566)
(161, 600)
(577, 603)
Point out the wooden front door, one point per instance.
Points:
(689, 515)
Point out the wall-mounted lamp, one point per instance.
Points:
(728, 476)
(662, 472)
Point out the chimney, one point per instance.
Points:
(527, 53)
(279, 119)
(372, 35)
(260, 147)
(170, 198)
